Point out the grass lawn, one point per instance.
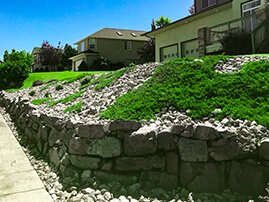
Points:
(46, 76)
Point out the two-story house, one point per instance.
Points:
(117, 45)
(197, 34)
(36, 59)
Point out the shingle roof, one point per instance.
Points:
(110, 33)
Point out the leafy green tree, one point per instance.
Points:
(147, 51)
(49, 55)
(162, 22)
(68, 53)
(15, 68)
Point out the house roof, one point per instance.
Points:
(122, 34)
(190, 18)
(36, 50)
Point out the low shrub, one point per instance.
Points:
(47, 94)
(76, 107)
(67, 99)
(37, 83)
(59, 87)
(41, 101)
(52, 81)
(47, 86)
(32, 93)
(85, 81)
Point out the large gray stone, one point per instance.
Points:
(204, 132)
(203, 177)
(54, 157)
(172, 163)
(155, 179)
(85, 162)
(166, 140)
(92, 131)
(110, 177)
(227, 149)
(248, 179)
(107, 147)
(124, 125)
(177, 129)
(141, 143)
(78, 146)
(139, 163)
(55, 136)
(192, 150)
(264, 149)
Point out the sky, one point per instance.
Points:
(26, 24)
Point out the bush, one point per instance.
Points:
(40, 101)
(52, 81)
(83, 66)
(37, 83)
(76, 107)
(47, 94)
(236, 43)
(59, 87)
(100, 64)
(116, 66)
(32, 93)
(85, 81)
(15, 69)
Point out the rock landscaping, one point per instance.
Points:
(148, 160)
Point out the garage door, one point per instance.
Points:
(169, 53)
(190, 49)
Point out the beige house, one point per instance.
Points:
(197, 34)
(36, 59)
(117, 45)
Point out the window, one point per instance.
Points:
(82, 46)
(249, 9)
(127, 45)
(119, 33)
(208, 3)
(92, 43)
(133, 34)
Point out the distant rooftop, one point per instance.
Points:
(110, 33)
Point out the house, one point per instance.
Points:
(117, 45)
(36, 59)
(197, 35)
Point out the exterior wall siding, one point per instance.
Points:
(114, 50)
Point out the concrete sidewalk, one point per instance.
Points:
(18, 179)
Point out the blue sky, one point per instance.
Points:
(26, 24)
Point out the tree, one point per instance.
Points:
(162, 22)
(192, 9)
(15, 69)
(68, 53)
(49, 55)
(147, 51)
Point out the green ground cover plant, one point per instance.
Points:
(59, 87)
(47, 86)
(195, 87)
(47, 76)
(73, 79)
(32, 93)
(74, 107)
(67, 99)
(41, 101)
(106, 79)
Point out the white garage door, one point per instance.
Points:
(190, 49)
(169, 53)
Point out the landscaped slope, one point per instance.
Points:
(195, 87)
(211, 87)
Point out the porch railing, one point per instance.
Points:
(258, 36)
(248, 24)
(218, 31)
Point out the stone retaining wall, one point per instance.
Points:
(200, 158)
